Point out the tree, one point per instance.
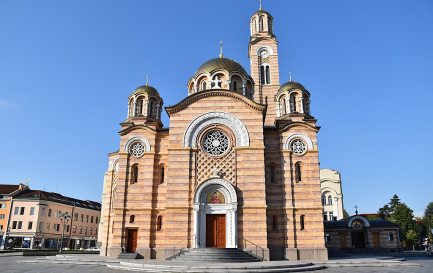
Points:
(403, 217)
(345, 214)
(394, 203)
(428, 219)
(388, 209)
(411, 238)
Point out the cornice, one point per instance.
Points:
(213, 93)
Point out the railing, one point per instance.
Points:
(177, 248)
(254, 249)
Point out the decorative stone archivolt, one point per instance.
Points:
(214, 184)
(359, 219)
(137, 146)
(294, 137)
(113, 164)
(232, 122)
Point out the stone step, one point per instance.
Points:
(222, 255)
(128, 256)
(225, 269)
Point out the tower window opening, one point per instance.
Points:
(329, 200)
(235, 86)
(283, 107)
(162, 174)
(134, 173)
(131, 219)
(261, 22)
(203, 85)
(265, 74)
(306, 104)
(298, 172)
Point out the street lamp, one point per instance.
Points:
(64, 218)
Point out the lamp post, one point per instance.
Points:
(64, 218)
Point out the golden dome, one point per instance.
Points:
(147, 89)
(220, 63)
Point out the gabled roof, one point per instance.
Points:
(58, 198)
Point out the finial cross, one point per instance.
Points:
(147, 80)
(221, 49)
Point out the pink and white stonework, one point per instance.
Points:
(240, 146)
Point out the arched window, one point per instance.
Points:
(261, 23)
(134, 173)
(132, 218)
(265, 74)
(306, 104)
(283, 108)
(323, 199)
(254, 26)
(235, 86)
(327, 238)
(329, 200)
(302, 222)
(159, 223)
(203, 85)
(298, 172)
(274, 223)
(139, 107)
(268, 75)
(162, 174)
(152, 108)
(390, 236)
(272, 173)
(293, 103)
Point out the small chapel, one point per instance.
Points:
(236, 168)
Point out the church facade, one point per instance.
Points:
(237, 167)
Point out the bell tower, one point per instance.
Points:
(263, 54)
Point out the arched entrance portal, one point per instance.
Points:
(215, 216)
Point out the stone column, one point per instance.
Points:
(196, 225)
(302, 104)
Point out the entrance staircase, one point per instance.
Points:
(214, 255)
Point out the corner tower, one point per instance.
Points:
(263, 54)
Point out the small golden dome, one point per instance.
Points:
(221, 63)
(146, 89)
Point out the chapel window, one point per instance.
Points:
(139, 107)
(298, 147)
(390, 236)
(283, 108)
(261, 23)
(265, 76)
(134, 173)
(137, 149)
(203, 85)
(216, 143)
(162, 174)
(131, 219)
(329, 200)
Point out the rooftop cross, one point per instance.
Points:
(147, 80)
(260, 8)
(290, 76)
(221, 49)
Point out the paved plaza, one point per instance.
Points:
(19, 264)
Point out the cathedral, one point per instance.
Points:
(237, 167)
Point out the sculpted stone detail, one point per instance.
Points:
(131, 143)
(232, 122)
(216, 167)
(216, 184)
(290, 140)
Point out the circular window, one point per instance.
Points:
(298, 147)
(215, 143)
(137, 149)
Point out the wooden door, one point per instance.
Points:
(376, 240)
(216, 230)
(342, 237)
(131, 243)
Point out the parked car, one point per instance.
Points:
(95, 248)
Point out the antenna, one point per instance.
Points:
(221, 49)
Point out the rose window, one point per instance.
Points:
(215, 143)
(137, 149)
(298, 147)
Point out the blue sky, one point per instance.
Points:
(67, 68)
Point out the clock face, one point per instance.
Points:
(264, 53)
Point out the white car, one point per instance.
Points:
(95, 248)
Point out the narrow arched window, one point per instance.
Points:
(302, 222)
(306, 104)
(134, 173)
(298, 172)
(159, 222)
(283, 107)
(131, 219)
(329, 200)
(203, 85)
(272, 173)
(274, 223)
(261, 24)
(139, 107)
(293, 103)
(323, 200)
(254, 26)
(162, 174)
(390, 236)
(235, 86)
(262, 74)
(268, 75)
